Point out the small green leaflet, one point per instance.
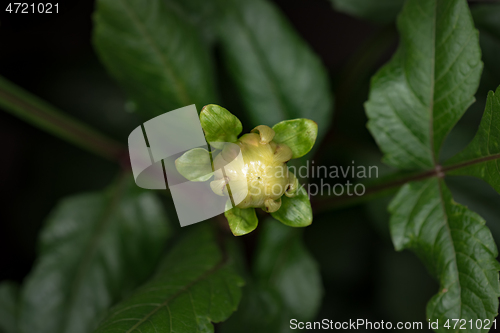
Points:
(195, 285)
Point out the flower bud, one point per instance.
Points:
(263, 171)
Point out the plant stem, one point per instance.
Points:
(336, 202)
(35, 111)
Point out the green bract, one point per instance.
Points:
(195, 165)
(219, 124)
(262, 178)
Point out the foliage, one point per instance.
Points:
(107, 260)
(420, 95)
(276, 74)
(195, 285)
(285, 284)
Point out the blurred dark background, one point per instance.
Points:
(52, 57)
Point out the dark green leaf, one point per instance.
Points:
(380, 11)
(277, 74)
(263, 303)
(93, 249)
(283, 263)
(8, 307)
(481, 158)
(456, 247)
(418, 97)
(298, 134)
(158, 57)
(287, 284)
(195, 285)
(295, 211)
(241, 221)
(219, 125)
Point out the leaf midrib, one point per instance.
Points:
(455, 260)
(433, 79)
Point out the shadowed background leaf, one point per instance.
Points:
(274, 70)
(285, 283)
(9, 292)
(94, 249)
(158, 57)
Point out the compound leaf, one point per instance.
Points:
(195, 285)
(418, 97)
(93, 249)
(456, 247)
(157, 56)
(481, 158)
(277, 74)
